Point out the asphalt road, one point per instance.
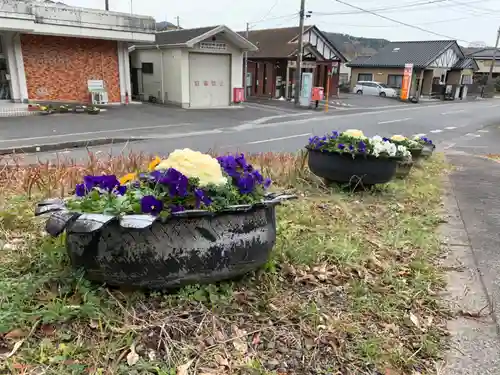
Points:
(446, 124)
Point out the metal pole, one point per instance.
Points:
(328, 74)
(490, 75)
(245, 67)
(106, 5)
(298, 70)
(178, 22)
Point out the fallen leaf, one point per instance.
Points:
(16, 347)
(415, 320)
(256, 339)
(219, 336)
(182, 370)
(221, 361)
(15, 334)
(48, 329)
(239, 340)
(132, 357)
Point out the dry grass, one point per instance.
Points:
(350, 289)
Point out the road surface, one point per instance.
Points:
(446, 124)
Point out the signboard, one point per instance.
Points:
(95, 85)
(249, 79)
(304, 64)
(406, 86)
(306, 89)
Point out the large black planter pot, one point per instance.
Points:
(343, 168)
(427, 151)
(403, 169)
(415, 153)
(192, 247)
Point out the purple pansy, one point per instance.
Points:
(151, 205)
(201, 197)
(80, 190)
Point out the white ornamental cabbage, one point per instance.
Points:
(195, 164)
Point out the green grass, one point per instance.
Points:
(351, 288)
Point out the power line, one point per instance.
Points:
(410, 5)
(399, 22)
(467, 5)
(418, 5)
(288, 16)
(268, 12)
(389, 26)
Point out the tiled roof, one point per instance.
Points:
(181, 36)
(467, 63)
(397, 54)
(273, 43)
(485, 53)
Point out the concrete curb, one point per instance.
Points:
(31, 149)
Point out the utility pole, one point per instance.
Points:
(490, 75)
(178, 22)
(245, 66)
(106, 5)
(298, 70)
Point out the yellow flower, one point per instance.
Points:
(355, 133)
(154, 163)
(195, 164)
(128, 178)
(398, 137)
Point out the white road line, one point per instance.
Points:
(358, 114)
(278, 139)
(473, 135)
(437, 131)
(97, 132)
(483, 131)
(451, 112)
(449, 146)
(391, 121)
(450, 127)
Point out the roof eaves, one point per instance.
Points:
(337, 52)
(441, 52)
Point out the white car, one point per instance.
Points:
(374, 88)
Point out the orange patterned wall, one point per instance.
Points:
(57, 68)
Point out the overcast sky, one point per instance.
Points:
(465, 20)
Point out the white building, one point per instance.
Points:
(192, 68)
(49, 52)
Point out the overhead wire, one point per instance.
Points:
(399, 22)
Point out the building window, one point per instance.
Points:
(395, 81)
(365, 77)
(147, 68)
(467, 80)
(343, 78)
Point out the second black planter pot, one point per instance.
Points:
(343, 168)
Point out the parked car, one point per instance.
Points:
(374, 88)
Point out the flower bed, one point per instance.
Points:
(351, 157)
(427, 145)
(413, 146)
(190, 218)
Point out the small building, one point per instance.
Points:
(484, 60)
(435, 63)
(50, 52)
(271, 69)
(192, 68)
